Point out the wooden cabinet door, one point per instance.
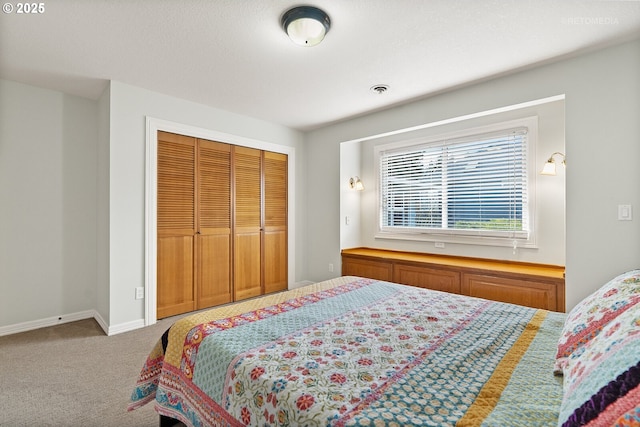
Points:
(274, 260)
(372, 269)
(176, 292)
(521, 292)
(247, 281)
(429, 278)
(214, 220)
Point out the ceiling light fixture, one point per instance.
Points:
(306, 25)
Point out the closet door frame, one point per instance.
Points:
(153, 125)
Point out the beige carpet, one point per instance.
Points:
(74, 375)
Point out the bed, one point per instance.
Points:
(354, 351)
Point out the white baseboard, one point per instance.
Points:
(103, 323)
(125, 327)
(88, 314)
(49, 321)
(73, 317)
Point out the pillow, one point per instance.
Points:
(602, 378)
(588, 318)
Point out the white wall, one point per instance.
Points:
(350, 199)
(602, 107)
(129, 107)
(102, 193)
(48, 205)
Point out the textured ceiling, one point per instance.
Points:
(233, 55)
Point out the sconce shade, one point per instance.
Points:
(549, 167)
(306, 25)
(356, 184)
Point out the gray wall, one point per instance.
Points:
(72, 181)
(602, 107)
(72, 199)
(129, 107)
(48, 205)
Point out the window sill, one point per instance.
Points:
(460, 240)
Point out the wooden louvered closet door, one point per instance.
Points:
(176, 292)
(222, 223)
(247, 227)
(214, 224)
(275, 222)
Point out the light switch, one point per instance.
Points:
(625, 213)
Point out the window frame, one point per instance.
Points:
(469, 236)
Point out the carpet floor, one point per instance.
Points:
(74, 375)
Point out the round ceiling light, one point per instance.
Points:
(306, 25)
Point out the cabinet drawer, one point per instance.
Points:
(366, 268)
(430, 278)
(522, 292)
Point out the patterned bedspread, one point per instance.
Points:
(355, 351)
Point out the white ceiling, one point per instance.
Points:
(233, 54)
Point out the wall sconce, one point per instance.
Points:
(549, 167)
(356, 184)
(306, 25)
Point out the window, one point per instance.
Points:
(470, 188)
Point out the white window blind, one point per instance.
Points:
(470, 186)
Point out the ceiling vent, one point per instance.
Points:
(379, 89)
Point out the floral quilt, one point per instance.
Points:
(356, 351)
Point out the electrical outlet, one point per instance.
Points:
(439, 245)
(331, 268)
(139, 292)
